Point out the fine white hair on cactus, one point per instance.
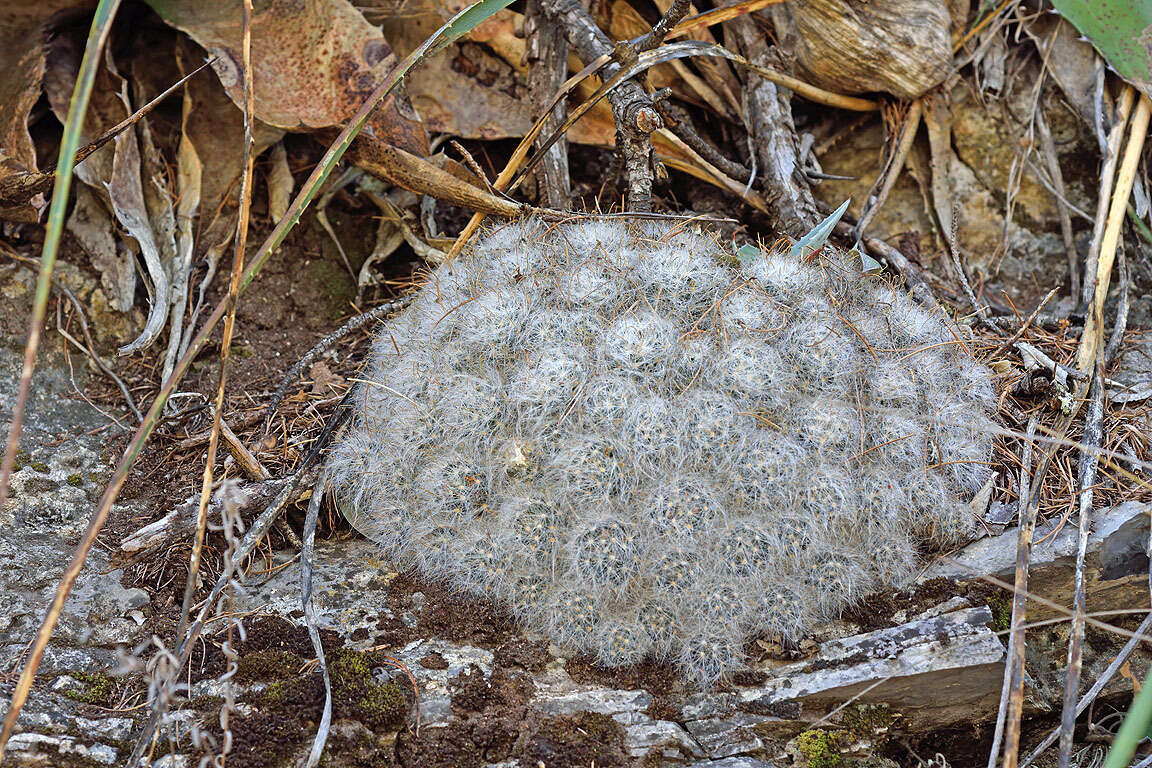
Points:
(647, 449)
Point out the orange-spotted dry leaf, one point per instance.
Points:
(314, 63)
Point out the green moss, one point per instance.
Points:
(820, 748)
(868, 721)
(276, 692)
(357, 695)
(40, 467)
(206, 703)
(1001, 608)
(75, 480)
(97, 688)
(22, 458)
(267, 665)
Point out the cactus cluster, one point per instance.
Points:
(647, 447)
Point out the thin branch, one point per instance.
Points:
(1007, 344)
(1052, 161)
(674, 15)
(319, 349)
(632, 108)
(681, 125)
(1089, 463)
(547, 52)
(1027, 526)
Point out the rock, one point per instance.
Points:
(53, 750)
(1116, 568)
(60, 475)
(666, 739)
(897, 46)
(976, 175)
(936, 672)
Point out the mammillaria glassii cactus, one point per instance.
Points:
(647, 448)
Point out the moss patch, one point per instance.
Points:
(868, 721)
(357, 695)
(586, 738)
(819, 748)
(98, 688)
(267, 665)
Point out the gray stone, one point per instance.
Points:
(1116, 568)
(735, 762)
(39, 748)
(661, 737)
(721, 736)
(935, 672)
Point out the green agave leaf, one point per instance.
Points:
(747, 254)
(1121, 30)
(819, 234)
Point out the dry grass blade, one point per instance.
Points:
(457, 26)
(1016, 634)
(718, 16)
(1125, 178)
(241, 242)
(1089, 462)
(1111, 149)
(1027, 526)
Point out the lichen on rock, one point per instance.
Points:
(647, 448)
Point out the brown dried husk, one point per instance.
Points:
(901, 47)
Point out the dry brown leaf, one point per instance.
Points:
(214, 127)
(1072, 61)
(92, 219)
(476, 89)
(324, 381)
(313, 63)
(22, 64)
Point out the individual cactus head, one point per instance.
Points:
(648, 448)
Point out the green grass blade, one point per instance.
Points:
(1133, 729)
